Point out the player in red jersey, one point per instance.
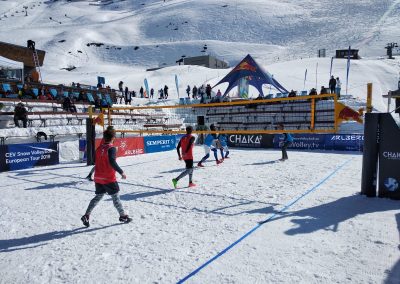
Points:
(186, 143)
(105, 179)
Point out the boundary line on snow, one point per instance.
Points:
(287, 206)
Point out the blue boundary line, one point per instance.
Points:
(221, 253)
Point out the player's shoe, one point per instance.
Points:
(85, 220)
(125, 219)
(200, 165)
(191, 184)
(219, 162)
(226, 158)
(174, 182)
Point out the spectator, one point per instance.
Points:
(30, 44)
(292, 94)
(49, 97)
(323, 91)
(313, 92)
(194, 92)
(68, 105)
(35, 75)
(128, 96)
(99, 86)
(73, 85)
(20, 113)
(219, 96)
(121, 87)
(97, 103)
(165, 92)
(42, 94)
(151, 93)
(26, 93)
(188, 91)
(260, 97)
(141, 91)
(208, 91)
(161, 93)
(338, 87)
(81, 96)
(332, 85)
(78, 85)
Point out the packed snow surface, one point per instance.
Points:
(331, 235)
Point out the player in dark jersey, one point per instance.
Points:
(105, 179)
(186, 144)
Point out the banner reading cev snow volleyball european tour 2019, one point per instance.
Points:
(24, 156)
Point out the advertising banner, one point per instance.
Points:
(25, 156)
(82, 150)
(154, 144)
(344, 142)
(303, 141)
(337, 142)
(251, 140)
(129, 146)
(389, 157)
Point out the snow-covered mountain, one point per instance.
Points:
(134, 35)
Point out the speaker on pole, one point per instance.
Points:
(370, 155)
(90, 143)
(200, 120)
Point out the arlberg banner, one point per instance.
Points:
(129, 146)
(24, 156)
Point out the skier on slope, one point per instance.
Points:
(105, 179)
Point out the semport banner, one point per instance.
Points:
(154, 144)
(25, 156)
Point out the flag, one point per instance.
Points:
(305, 79)
(330, 72)
(345, 113)
(99, 119)
(348, 69)
(177, 85)
(146, 85)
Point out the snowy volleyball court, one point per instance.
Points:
(318, 229)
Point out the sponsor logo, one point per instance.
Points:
(391, 184)
(349, 114)
(159, 142)
(245, 66)
(391, 155)
(47, 150)
(133, 152)
(347, 138)
(122, 145)
(245, 139)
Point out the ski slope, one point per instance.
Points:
(282, 36)
(330, 235)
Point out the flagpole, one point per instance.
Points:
(348, 70)
(316, 77)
